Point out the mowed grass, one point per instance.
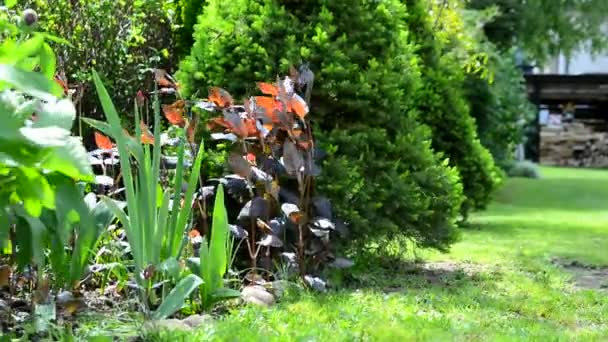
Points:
(498, 284)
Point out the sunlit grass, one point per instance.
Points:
(497, 284)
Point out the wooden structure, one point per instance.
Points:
(578, 136)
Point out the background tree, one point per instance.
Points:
(544, 28)
(442, 104)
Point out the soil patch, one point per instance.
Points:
(585, 276)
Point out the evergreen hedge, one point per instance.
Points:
(443, 107)
(381, 172)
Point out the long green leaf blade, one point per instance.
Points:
(134, 227)
(184, 214)
(219, 239)
(175, 232)
(176, 298)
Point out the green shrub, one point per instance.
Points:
(187, 13)
(444, 109)
(526, 169)
(500, 106)
(381, 173)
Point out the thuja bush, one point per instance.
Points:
(444, 109)
(187, 13)
(379, 170)
(500, 107)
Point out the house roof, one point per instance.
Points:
(548, 88)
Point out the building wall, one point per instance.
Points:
(580, 63)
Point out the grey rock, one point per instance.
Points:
(257, 295)
(64, 297)
(196, 321)
(316, 283)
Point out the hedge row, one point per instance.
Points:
(382, 173)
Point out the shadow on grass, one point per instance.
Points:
(394, 274)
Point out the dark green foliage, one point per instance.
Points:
(381, 173)
(443, 108)
(187, 13)
(121, 39)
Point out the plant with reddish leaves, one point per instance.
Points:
(273, 160)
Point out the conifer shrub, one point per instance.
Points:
(380, 170)
(187, 13)
(501, 107)
(443, 107)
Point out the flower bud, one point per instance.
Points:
(30, 17)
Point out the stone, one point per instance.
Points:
(64, 297)
(196, 321)
(316, 283)
(257, 295)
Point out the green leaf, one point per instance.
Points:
(219, 239)
(28, 48)
(30, 238)
(225, 293)
(56, 39)
(70, 159)
(48, 61)
(34, 190)
(10, 3)
(56, 113)
(163, 221)
(184, 213)
(194, 264)
(103, 215)
(159, 195)
(171, 267)
(69, 207)
(45, 136)
(31, 83)
(176, 298)
(4, 224)
(133, 146)
(133, 224)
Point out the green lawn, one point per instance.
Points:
(499, 283)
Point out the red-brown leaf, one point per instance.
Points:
(162, 78)
(146, 136)
(268, 89)
(102, 141)
(298, 106)
(220, 97)
(175, 113)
